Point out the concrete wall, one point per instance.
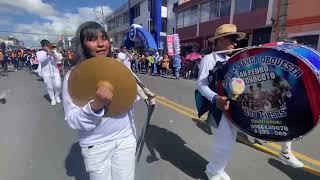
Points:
(303, 16)
(143, 19)
(171, 17)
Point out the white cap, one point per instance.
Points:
(122, 56)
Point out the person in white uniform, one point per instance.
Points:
(224, 132)
(124, 58)
(108, 144)
(49, 71)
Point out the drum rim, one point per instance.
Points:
(300, 58)
(305, 47)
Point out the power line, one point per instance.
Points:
(31, 33)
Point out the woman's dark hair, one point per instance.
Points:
(88, 31)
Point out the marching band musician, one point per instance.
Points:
(108, 144)
(226, 37)
(49, 71)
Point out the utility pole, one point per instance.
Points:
(283, 19)
(100, 15)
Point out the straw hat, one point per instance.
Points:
(227, 30)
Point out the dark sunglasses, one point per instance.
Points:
(233, 39)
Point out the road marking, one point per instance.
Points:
(297, 154)
(276, 154)
(176, 106)
(176, 109)
(192, 113)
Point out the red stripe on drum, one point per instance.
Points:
(312, 89)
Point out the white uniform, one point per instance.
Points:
(224, 138)
(50, 74)
(124, 58)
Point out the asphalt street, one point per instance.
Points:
(37, 144)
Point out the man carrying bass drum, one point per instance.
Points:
(224, 138)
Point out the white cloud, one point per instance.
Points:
(56, 22)
(36, 7)
(5, 20)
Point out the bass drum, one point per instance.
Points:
(281, 99)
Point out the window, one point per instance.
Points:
(257, 4)
(186, 17)
(225, 8)
(117, 23)
(180, 20)
(310, 41)
(136, 11)
(125, 18)
(261, 36)
(214, 9)
(164, 24)
(111, 24)
(242, 6)
(116, 39)
(164, 3)
(152, 26)
(204, 12)
(194, 15)
(149, 5)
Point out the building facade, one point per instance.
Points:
(155, 16)
(152, 15)
(303, 22)
(118, 24)
(12, 42)
(197, 20)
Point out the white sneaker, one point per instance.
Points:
(290, 160)
(58, 100)
(221, 176)
(53, 102)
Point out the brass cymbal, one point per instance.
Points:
(84, 77)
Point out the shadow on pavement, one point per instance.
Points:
(292, 173)
(74, 164)
(46, 96)
(3, 101)
(172, 148)
(203, 126)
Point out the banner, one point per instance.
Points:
(170, 45)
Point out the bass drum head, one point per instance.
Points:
(281, 99)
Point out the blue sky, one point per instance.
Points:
(49, 16)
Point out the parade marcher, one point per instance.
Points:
(165, 65)
(49, 71)
(15, 60)
(1, 58)
(6, 61)
(158, 60)
(226, 37)
(177, 65)
(34, 61)
(225, 133)
(108, 144)
(123, 57)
